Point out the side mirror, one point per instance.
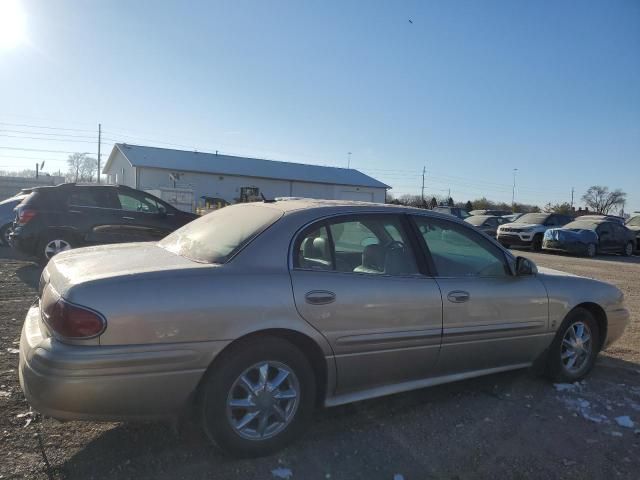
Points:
(524, 266)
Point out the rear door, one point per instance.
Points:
(356, 279)
(606, 238)
(491, 318)
(90, 211)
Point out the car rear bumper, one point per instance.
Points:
(73, 382)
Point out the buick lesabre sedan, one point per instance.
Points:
(254, 315)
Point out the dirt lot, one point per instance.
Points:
(511, 425)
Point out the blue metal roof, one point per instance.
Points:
(180, 160)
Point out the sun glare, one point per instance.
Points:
(12, 24)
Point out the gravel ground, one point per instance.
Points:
(511, 425)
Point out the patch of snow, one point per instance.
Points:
(563, 387)
(616, 434)
(284, 473)
(398, 476)
(625, 421)
(13, 350)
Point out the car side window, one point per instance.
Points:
(312, 250)
(90, 197)
(373, 245)
(458, 251)
(137, 203)
(369, 244)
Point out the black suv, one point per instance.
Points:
(53, 219)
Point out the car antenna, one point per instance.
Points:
(265, 200)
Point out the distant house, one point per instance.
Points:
(233, 179)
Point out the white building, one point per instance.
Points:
(232, 178)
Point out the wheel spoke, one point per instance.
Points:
(247, 385)
(568, 354)
(244, 403)
(246, 420)
(285, 394)
(569, 344)
(264, 376)
(276, 382)
(279, 412)
(263, 422)
(571, 362)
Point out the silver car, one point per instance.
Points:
(256, 314)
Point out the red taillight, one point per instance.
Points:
(25, 216)
(73, 321)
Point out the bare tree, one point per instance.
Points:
(81, 168)
(602, 201)
(562, 208)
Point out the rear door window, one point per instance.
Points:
(90, 197)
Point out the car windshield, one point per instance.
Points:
(635, 221)
(535, 218)
(476, 220)
(581, 225)
(215, 237)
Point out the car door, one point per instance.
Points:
(91, 212)
(356, 279)
(621, 237)
(491, 318)
(490, 227)
(141, 218)
(606, 237)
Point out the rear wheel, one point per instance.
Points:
(575, 347)
(628, 249)
(5, 230)
(259, 399)
(54, 244)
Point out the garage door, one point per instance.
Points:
(355, 195)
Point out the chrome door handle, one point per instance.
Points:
(320, 297)
(128, 218)
(458, 296)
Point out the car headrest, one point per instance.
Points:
(373, 257)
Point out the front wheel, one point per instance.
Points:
(575, 347)
(591, 250)
(536, 244)
(259, 398)
(5, 230)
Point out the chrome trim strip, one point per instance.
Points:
(499, 327)
(415, 384)
(388, 337)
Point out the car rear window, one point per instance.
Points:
(217, 236)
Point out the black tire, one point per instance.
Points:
(536, 243)
(4, 234)
(43, 254)
(556, 369)
(627, 251)
(216, 390)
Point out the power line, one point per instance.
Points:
(42, 150)
(45, 127)
(45, 133)
(48, 139)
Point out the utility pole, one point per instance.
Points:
(37, 165)
(424, 168)
(348, 159)
(99, 145)
(572, 190)
(513, 191)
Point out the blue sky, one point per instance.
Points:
(470, 89)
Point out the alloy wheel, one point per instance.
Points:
(56, 246)
(591, 250)
(628, 249)
(576, 347)
(263, 400)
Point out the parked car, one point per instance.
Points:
(7, 215)
(611, 218)
(53, 219)
(528, 230)
(589, 237)
(254, 314)
(512, 217)
(486, 223)
(461, 213)
(633, 224)
(495, 213)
